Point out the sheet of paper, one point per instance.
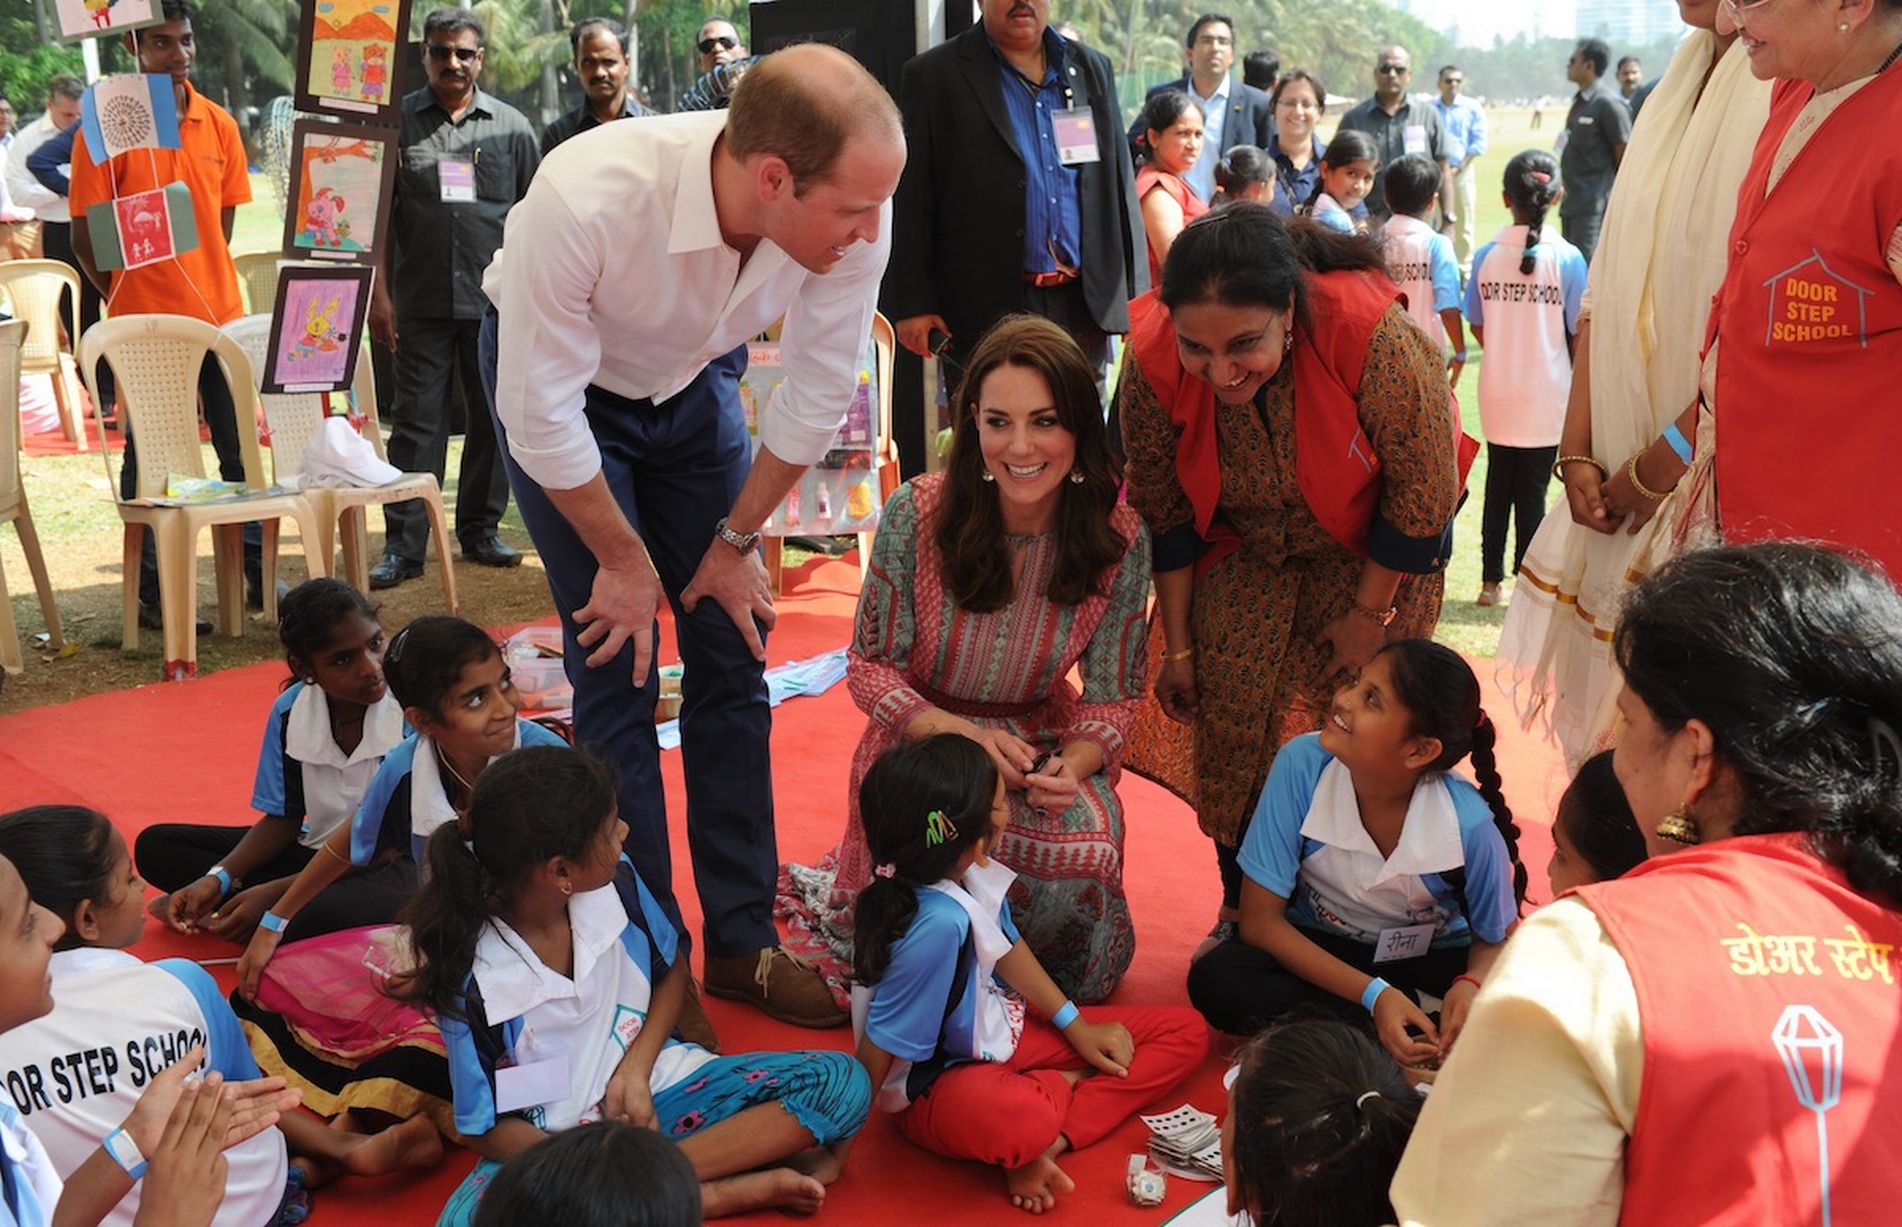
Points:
(1405, 942)
(1209, 1211)
(530, 1086)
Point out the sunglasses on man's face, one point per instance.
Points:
(1394, 70)
(440, 52)
(720, 43)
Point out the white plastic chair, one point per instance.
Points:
(257, 275)
(13, 504)
(293, 419)
(155, 360)
(34, 286)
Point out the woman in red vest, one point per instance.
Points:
(1174, 141)
(1712, 1038)
(1805, 339)
(1291, 444)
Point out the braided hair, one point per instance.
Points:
(1441, 695)
(1321, 1115)
(1532, 187)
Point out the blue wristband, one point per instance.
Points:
(272, 921)
(1460, 356)
(1065, 1015)
(224, 879)
(1370, 994)
(1678, 442)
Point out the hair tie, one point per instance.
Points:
(1541, 177)
(1484, 722)
(1365, 1096)
(1882, 736)
(887, 870)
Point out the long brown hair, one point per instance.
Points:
(970, 533)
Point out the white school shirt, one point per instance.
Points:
(587, 1022)
(47, 205)
(1329, 212)
(1421, 262)
(36, 1185)
(612, 271)
(75, 1074)
(1527, 374)
(330, 783)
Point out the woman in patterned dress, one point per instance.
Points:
(989, 583)
(1295, 451)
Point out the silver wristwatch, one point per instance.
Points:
(743, 542)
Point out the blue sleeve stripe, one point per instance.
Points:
(471, 1080)
(267, 792)
(227, 1051)
(660, 926)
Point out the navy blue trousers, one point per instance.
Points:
(675, 468)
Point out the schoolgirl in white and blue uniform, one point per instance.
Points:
(1372, 868)
(536, 1048)
(326, 735)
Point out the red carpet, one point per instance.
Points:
(186, 752)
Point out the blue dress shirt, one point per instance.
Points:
(1053, 219)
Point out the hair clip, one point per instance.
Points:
(939, 829)
(887, 870)
(393, 655)
(1539, 176)
(1364, 1097)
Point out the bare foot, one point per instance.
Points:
(414, 1143)
(1036, 1185)
(780, 1187)
(819, 1163)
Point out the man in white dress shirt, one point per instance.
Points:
(631, 277)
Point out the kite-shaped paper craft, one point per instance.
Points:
(133, 231)
(129, 111)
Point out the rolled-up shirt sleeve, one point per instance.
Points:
(548, 347)
(822, 348)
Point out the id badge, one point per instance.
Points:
(457, 180)
(1076, 136)
(1405, 942)
(1415, 138)
(532, 1085)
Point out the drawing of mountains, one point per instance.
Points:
(368, 25)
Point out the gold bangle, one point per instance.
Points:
(340, 856)
(1558, 467)
(1646, 492)
(1170, 658)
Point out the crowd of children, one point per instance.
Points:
(444, 939)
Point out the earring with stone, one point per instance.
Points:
(1076, 477)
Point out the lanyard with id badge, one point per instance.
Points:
(1074, 126)
(455, 179)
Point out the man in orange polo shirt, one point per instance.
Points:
(202, 282)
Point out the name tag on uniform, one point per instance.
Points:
(1406, 942)
(1585, 119)
(1415, 138)
(532, 1085)
(1076, 136)
(456, 179)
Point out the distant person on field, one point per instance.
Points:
(1465, 142)
(1597, 128)
(1262, 70)
(602, 66)
(1400, 126)
(1420, 259)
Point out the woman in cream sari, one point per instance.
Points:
(1661, 259)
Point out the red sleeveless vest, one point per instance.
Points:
(1772, 1023)
(1811, 319)
(1335, 465)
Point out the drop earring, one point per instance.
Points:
(987, 475)
(1679, 827)
(1076, 477)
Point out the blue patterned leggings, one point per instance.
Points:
(828, 1093)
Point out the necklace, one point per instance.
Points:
(468, 790)
(1890, 60)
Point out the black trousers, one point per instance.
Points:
(432, 358)
(1516, 478)
(56, 239)
(221, 417)
(1581, 231)
(173, 855)
(1241, 989)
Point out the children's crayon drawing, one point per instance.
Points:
(316, 328)
(128, 111)
(99, 18)
(342, 177)
(348, 55)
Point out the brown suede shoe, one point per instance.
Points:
(693, 1024)
(779, 982)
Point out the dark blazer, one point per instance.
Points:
(1251, 117)
(957, 220)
